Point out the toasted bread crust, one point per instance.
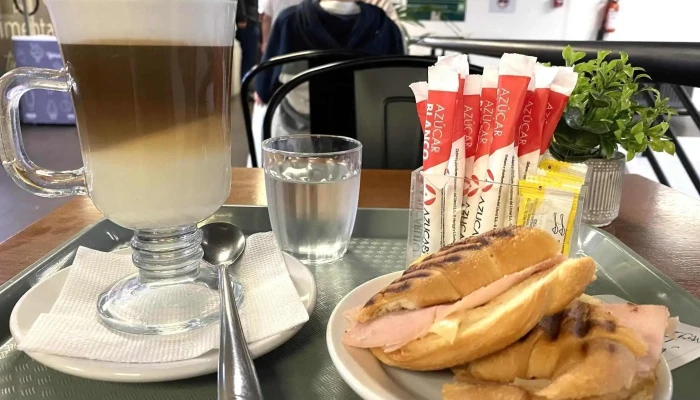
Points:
(539, 354)
(462, 267)
(642, 389)
(581, 353)
(481, 330)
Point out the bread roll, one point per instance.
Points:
(473, 391)
(540, 353)
(462, 267)
(597, 367)
(642, 389)
(499, 323)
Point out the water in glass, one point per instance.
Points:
(312, 205)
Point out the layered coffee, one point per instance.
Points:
(154, 127)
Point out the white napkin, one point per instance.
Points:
(271, 305)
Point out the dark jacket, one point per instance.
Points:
(247, 11)
(308, 26)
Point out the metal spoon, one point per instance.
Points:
(223, 243)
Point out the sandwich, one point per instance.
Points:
(469, 300)
(587, 351)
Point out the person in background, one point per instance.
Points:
(269, 10)
(326, 25)
(388, 8)
(247, 34)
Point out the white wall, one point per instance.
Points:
(638, 20)
(584, 19)
(532, 19)
(657, 21)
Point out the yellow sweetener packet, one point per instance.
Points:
(570, 171)
(550, 204)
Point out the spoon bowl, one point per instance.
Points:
(223, 243)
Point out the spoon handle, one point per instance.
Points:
(236, 377)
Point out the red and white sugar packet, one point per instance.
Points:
(562, 86)
(471, 119)
(455, 166)
(480, 171)
(420, 92)
(443, 84)
(514, 171)
(532, 120)
(514, 74)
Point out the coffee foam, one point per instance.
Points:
(182, 22)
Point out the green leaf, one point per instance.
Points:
(568, 55)
(639, 137)
(630, 155)
(656, 145)
(598, 127)
(600, 114)
(573, 117)
(655, 93)
(584, 68)
(638, 128)
(658, 129)
(670, 147)
(642, 76)
(601, 100)
(602, 54)
(578, 98)
(624, 57)
(608, 147)
(628, 71)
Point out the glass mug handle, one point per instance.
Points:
(22, 170)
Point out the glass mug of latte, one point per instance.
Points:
(150, 83)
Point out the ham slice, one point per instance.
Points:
(651, 322)
(394, 330)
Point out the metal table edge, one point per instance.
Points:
(39, 263)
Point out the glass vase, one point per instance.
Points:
(604, 180)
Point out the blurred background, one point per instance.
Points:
(53, 143)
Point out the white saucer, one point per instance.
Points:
(41, 298)
(374, 381)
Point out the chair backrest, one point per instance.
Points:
(383, 114)
(314, 58)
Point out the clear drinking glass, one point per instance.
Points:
(150, 83)
(313, 185)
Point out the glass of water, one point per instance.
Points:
(312, 184)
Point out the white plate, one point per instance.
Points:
(41, 298)
(374, 381)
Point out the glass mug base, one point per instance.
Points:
(164, 307)
(174, 291)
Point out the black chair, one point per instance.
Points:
(314, 58)
(383, 112)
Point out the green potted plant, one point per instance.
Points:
(604, 114)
